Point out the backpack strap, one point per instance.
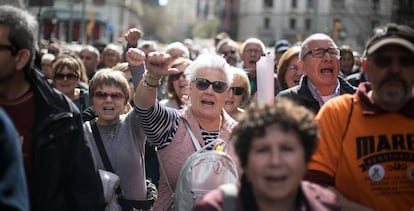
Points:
(230, 192)
(193, 137)
(349, 118)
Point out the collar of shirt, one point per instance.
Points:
(370, 108)
(317, 95)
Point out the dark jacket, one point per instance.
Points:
(64, 176)
(303, 96)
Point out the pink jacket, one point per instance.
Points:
(181, 147)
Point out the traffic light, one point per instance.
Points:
(336, 29)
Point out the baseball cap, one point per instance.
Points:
(391, 34)
(282, 45)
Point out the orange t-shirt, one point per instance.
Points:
(374, 164)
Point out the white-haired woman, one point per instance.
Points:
(209, 79)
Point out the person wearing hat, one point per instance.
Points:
(281, 46)
(366, 147)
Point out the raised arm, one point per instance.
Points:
(157, 65)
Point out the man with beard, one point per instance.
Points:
(366, 149)
(251, 51)
(319, 63)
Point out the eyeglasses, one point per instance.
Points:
(69, 76)
(230, 52)
(8, 47)
(114, 95)
(237, 90)
(320, 52)
(176, 76)
(293, 68)
(203, 84)
(256, 51)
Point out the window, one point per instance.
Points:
(310, 4)
(375, 5)
(338, 4)
(308, 24)
(292, 23)
(268, 3)
(294, 4)
(266, 23)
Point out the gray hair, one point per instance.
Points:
(212, 61)
(305, 44)
(23, 29)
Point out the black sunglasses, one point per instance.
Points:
(237, 90)
(69, 76)
(225, 53)
(203, 84)
(176, 76)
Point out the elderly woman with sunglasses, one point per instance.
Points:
(176, 85)
(209, 78)
(238, 94)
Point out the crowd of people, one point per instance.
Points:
(337, 136)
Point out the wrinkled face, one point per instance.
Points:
(207, 103)
(391, 72)
(293, 73)
(234, 96)
(180, 84)
(110, 57)
(321, 71)
(250, 55)
(90, 60)
(276, 165)
(108, 103)
(346, 63)
(229, 53)
(66, 80)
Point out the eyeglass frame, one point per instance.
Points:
(214, 84)
(69, 76)
(237, 90)
(311, 52)
(104, 95)
(230, 52)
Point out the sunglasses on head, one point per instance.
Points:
(69, 76)
(237, 90)
(203, 84)
(176, 76)
(114, 95)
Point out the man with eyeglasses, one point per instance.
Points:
(366, 148)
(229, 50)
(58, 163)
(251, 51)
(319, 62)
